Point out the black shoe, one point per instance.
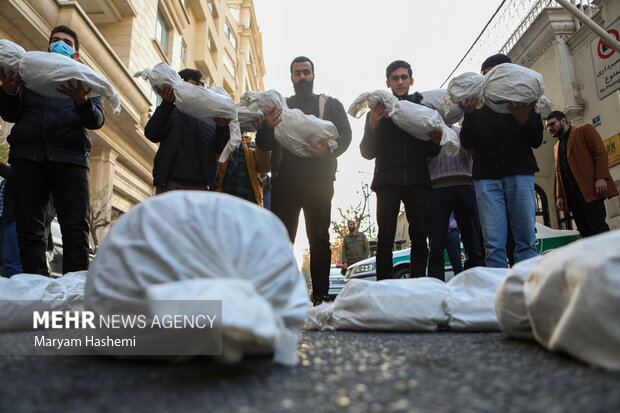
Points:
(320, 299)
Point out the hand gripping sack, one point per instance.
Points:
(468, 85)
(188, 245)
(10, 55)
(508, 82)
(198, 102)
(296, 130)
(417, 120)
(44, 72)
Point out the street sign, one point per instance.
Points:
(613, 149)
(606, 63)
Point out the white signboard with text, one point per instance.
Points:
(606, 63)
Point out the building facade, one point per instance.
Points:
(221, 38)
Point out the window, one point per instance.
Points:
(249, 57)
(183, 51)
(161, 32)
(210, 4)
(229, 65)
(155, 100)
(230, 35)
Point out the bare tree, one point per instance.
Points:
(358, 214)
(99, 212)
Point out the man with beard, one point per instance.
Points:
(306, 183)
(582, 173)
(354, 246)
(401, 174)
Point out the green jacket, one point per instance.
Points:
(354, 248)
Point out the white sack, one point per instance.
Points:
(198, 102)
(44, 72)
(468, 85)
(248, 118)
(296, 129)
(471, 301)
(433, 99)
(417, 120)
(510, 302)
(191, 235)
(10, 55)
(22, 294)
(508, 82)
(573, 300)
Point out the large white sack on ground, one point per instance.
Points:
(296, 130)
(22, 294)
(510, 302)
(44, 72)
(188, 235)
(468, 85)
(198, 102)
(573, 300)
(391, 305)
(432, 99)
(471, 305)
(508, 82)
(10, 55)
(417, 120)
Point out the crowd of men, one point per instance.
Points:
(488, 187)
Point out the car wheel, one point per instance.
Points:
(402, 272)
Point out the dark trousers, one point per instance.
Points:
(314, 196)
(415, 199)
(68, 184)
(589, 216)
(453, 248)
(462, 200)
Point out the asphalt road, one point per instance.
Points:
(339, 372)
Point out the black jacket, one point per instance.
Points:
(286, 165)
(401, 158)
(501, 147)
(50, 128)
(166, 128)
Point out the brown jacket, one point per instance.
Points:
(257, 162)
(588, 161)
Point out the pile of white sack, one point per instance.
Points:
(44, 72)
(465, 303)
(187, 245)
(22, 294)
(504, 83)
(417, 120)
(198, 102)
(568, 300)
(296, 130)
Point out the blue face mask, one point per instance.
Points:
(62, 48)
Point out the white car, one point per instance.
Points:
(336, 280)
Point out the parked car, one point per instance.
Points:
(546, 240)
(336, 280)
(55, 264)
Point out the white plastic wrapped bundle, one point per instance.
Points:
(417, 120)
(44, 72)
(468, 85)
(248, 118)
(296, 130)
(198, 102)
(433, 99)
(508, 82)
(10, 55)
(187, 245)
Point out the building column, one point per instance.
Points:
(102, 163)
(570, 87)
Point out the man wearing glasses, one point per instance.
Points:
(188, 148)
(503, 172)
(401, 174)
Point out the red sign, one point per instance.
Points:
(603, 49)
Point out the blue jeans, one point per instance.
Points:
(510, 198)
(10, 250)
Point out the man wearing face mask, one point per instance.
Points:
(50, 151)
(306, 183)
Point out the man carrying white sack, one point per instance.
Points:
(503, 172)
(308, 182)
(50, 151)
(186, 158)
(401, 174)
